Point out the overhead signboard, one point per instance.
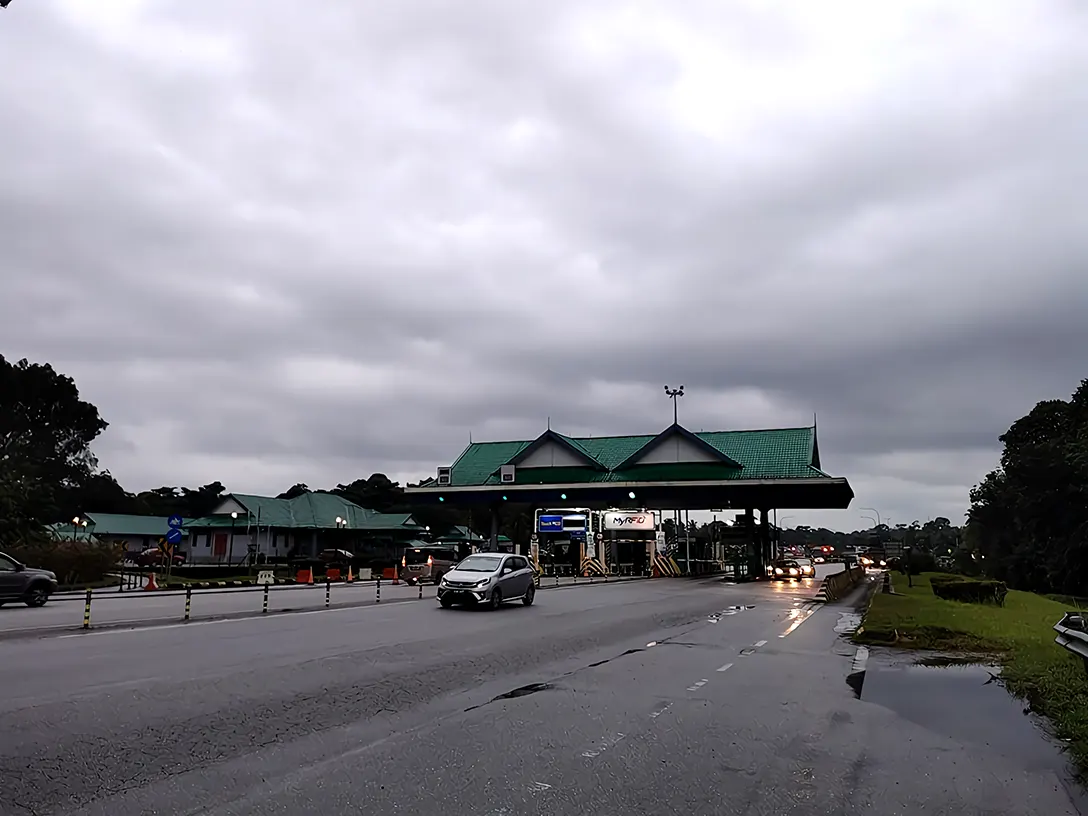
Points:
(629, 521)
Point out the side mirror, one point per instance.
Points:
(19, 567)
(507, 570)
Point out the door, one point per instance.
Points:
(509, 578)
(11, 582)
(523, 573)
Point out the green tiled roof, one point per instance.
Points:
(781, 453)
(118, 524)
(310, 511)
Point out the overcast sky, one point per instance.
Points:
(279, 241)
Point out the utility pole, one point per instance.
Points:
(673, 393)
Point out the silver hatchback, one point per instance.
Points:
(488, 578)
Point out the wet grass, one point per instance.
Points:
(1019, 637)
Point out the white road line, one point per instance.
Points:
(651, 644)
(655, 714)
(861, 658)
(726, 667)
(760, 643)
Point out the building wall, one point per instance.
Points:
(552, 454)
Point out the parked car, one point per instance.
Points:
(154, 557)
(19, 582)
(334, 556)
(488, 578)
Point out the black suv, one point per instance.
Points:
(21, 583)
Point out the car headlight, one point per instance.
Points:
(778, 570)
(484, 582)
(793, 571)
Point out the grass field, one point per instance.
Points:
(1019, 635)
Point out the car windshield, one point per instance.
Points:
(786, 564)
(480, 563)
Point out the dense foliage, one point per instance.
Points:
(1029, 518)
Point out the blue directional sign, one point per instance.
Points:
(174, 536)
(174, 521)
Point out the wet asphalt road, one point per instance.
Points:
(400, 709)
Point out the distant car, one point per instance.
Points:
(488, 578)
(808, 569)
(154, 557)
(786, 569)
(19, 582)
(426, 563)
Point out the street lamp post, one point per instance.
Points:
(230, 554)
(673, 393)
(875, 511)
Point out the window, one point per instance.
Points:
(516, 562)
(6, 564)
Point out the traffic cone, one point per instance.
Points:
(310, 576)
(151, 585)
(351, 576)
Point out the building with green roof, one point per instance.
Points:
(676, 469)
(244, 524)
(133, 533)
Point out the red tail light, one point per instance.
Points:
(404, 561)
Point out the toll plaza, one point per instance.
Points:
(560, 478)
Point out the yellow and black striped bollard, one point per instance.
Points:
(264, 607)
(188, 601)
(87, 611)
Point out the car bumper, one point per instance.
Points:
(463, 595)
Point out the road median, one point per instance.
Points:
(1018, 635)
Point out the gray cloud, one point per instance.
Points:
(280, 243)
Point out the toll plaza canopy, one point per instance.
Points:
(673, 470)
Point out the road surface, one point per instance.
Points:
(644, 697)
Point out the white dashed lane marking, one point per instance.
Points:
(726, 667)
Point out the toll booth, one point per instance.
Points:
(564, 538)
(629, 540)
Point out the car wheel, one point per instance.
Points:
(446, 603)
(530, 593)
(496, 598)
(36, 596)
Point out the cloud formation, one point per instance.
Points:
(278, 241)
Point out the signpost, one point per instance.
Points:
(173, 537)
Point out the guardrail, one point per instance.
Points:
(1073, 635)
(189, 592)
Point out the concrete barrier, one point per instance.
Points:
(839, 585)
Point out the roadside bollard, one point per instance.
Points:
(420, 585)
(328, 592)
(264, 606)
(378, 585)
(557, 579)
(188, 601)
(87, 611)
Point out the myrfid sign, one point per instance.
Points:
(628, 521)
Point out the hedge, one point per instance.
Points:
(968, 590)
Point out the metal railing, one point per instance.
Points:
(1072, 632)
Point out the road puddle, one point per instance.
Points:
(963, 701)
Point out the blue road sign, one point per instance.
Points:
(174, 521)
(174, 536)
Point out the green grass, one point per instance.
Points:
(1020, 636)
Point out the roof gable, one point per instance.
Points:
(674, 445)
(552, 449)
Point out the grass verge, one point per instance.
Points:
(1019, 636)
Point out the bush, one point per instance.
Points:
(74, 562)
(968, 590)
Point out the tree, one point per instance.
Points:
(1029, 517)
(45, 435)
(376, 493)
(294, 492)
